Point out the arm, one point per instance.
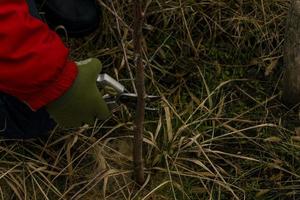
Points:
(34, 64)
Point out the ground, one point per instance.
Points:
(220, 132)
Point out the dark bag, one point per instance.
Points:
(18, 121)
(79, 17)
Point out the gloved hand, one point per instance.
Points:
(83, 102)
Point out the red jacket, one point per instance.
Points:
(34, 64)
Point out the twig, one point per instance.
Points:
(140, 109)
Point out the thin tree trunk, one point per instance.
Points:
(291, 80)
(140, 109)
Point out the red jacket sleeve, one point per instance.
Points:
(34, 64)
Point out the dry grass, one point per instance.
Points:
(221, 131)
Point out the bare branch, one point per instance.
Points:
(140, 109)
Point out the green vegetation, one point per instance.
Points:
(221, 131)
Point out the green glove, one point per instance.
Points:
(83, 102)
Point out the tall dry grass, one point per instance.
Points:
(220, 132)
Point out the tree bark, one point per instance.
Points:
(140, 109)
(291, 80)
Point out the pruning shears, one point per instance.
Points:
(117, 94)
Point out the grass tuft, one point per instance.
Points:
(221, 131)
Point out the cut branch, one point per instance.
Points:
(140, 109)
